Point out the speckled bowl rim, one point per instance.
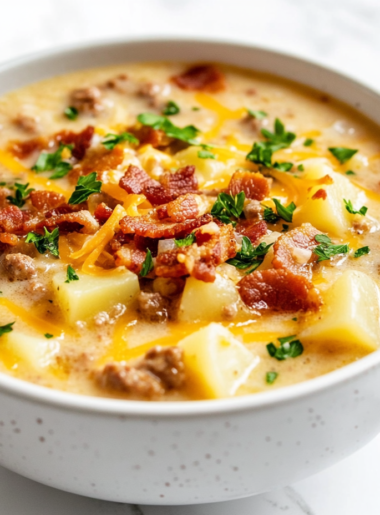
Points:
(257, 401)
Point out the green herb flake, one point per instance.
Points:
(350, 172)
(171, 108)
(48, 335)
(283, 167)
(206, 154)
(228, 208)
(308, 142)
(289, 348)
(53, 161)
(270, 216)
(301, 168)
(259, 115)
(86, 186)
(47, 242)
(271, 377)
(71, 275)
(350, 208)
(186, 134)
(249, 258)
(148, 264)
(187, 241)
(295, 319)
(362, 252)
(71, 113)
(286, 213)
(326, 249)
(7, 328)
(22, 191)
(111, 140)
(195, 108)
(285, 227)
(342, 154)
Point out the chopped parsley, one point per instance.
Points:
(71, 113)
(111, 140)
(86, 186)
(171, 108)
(7, 328)
(362, 252)
(326, 249)
(286, 213)
(148, 264)
(53, 161)
(289, 348)
(285, 227)
(186, 134)
(21, 193)
(48, 335)
(270, 216)
(342, 154)
(195, 108)
(187, 241)
(283, 167)
(271, 377)
(301, 168)
(249, 257)
(206, 154)
(228, 208)
(281, 138)
(350, 208)
(71, 275)
(308, 142)
(259, 115)
(350, 172)
(47, 242)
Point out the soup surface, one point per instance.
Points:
(174, 233)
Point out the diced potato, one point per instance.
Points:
(82, 299)
(216, 363)
(206, 301)
(37, 352)
(350, 315)
(207, 169)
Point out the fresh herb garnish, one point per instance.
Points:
(281, 138)
(71, 113)
(283, 167)
(350, 172)
(289, 348)
(111, 140)
(206, 154)
(7, 328)
(350, 208)
(259, 115)
(148, 264)
(86, 186)
(195, 108)
(308, 142)
(301, 168)
(171, 108)
(71, 275)
(186, 134)
(249, 257)
(228, 208)
(21, 193)
(271, 377)
(326, 249)
(342, 154)
(285, 227)
(286, 213)
(53, 161)
(270, 216)
(45, 242)
(361, 252)
(261, 153)
(48, 335)
(187, 241)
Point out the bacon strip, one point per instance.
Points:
(80, 140)
(254, 185)
(202, 77)
(80, 221)
(13, 220)
(253, 230)
(150, 226)
(180, 209)
(44, 199)
(130, 257)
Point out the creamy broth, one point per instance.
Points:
(65, 334)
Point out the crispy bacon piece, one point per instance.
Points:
(149, 136)
(293, 250)
(80, 221)
(171, 185)
(202, 77)
(8, 239)
(253, 230)
(80, 140)
(151, 227)
(44, 199)
(23, 149)
(65, 209)
(143, 243)
(119, 240)
(98, 160)
(254, 185)
(130, 257)
(280, 290)
(12, 220)
(180, 209)
(102, 213)
(320, 194)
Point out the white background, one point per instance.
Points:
(344, 34)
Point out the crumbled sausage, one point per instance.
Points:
(153, 92)
(124, 378)
(28, 124)
(167, 364)
(253, 209)
(87, 100)
(19, 267)
(152, 307)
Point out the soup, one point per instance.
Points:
(176, 232)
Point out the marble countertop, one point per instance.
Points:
(343, 34)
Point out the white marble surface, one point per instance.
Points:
(341, 33)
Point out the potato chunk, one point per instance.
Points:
(206, 301)
(350, 315)
(216, 363)
(79, 300)
(207, 169)
(37, 352)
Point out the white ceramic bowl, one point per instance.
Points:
(194, 452)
